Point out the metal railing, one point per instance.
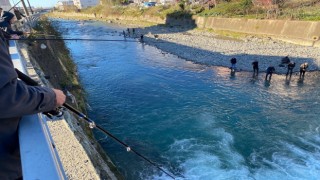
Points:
(39, 157)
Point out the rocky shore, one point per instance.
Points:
(211, 49)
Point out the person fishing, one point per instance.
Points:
(18, 99)
(128, 30)
(269, 72)
(233, 64)
(291, 65)
(303, 69)
(255, 66)
(6, 22)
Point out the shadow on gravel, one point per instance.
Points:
(179, 22)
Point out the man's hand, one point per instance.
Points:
(60, 97)
(14, 36)
(26, 34)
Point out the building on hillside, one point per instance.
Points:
(81, 4)
(5, 5)
(264, 3)
(63, 5)
(166, 1)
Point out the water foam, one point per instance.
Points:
(217, 159)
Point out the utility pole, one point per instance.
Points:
(25, 8)
(30, 7)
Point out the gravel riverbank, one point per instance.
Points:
(211, 49)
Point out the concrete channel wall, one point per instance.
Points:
(298, 32)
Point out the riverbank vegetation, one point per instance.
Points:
(54, 58)
(258, 9)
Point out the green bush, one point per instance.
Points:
(197, 9)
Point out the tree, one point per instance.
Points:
(246, 5)
(279, 3)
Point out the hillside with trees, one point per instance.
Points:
(307, 10)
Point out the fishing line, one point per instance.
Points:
(92, 124)
(81, 39)
(128, 148)
(70, 39)
(42, 34)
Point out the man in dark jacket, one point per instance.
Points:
(5, 23)
(270, 71)
(291, 65)
(18, 99)
(233, 63)
(255, 65)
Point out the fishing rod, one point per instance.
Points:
(92, 124)
(14, 5)
(42, 34)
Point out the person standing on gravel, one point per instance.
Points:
(255, 65)
(291, 65)
(233, 64)
(303, 69)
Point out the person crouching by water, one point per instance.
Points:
(233, 64)
(284, 61)
(270, 71)
(291, 65)
(303, 69)
(255, 65)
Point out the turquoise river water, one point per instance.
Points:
(193, 120)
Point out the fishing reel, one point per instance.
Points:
(56, 113)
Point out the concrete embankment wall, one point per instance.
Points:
(298, 32)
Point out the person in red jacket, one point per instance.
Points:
(18, 99)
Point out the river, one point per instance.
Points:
(195, 121)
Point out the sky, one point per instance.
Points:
(37, 3)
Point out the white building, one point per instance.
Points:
(5, 5)
(81, 4)
(62, 4)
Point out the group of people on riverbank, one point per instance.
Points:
(271, 69)
(131, 33)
